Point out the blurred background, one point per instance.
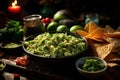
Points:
(109, 14)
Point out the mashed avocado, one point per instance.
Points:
(55, 45)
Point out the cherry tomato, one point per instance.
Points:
(46, 20)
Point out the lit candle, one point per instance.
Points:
(14, 9)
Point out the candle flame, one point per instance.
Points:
(14, 3)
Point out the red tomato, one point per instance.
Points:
(23, 61)
(46, 20)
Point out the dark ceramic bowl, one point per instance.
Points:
(11, 47)
(62, 59)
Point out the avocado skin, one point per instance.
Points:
(68, 22)
(64, 12)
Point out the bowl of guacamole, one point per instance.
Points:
(11, 47)
(91, 67)
(54, 46)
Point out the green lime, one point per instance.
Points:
(62, 28)
(52, 26)
(75, 27)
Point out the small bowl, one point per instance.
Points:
(91, 74)
(14, 47)
(2, 66)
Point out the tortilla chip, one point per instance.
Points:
(93, 32)
(81, 32)
(97, 33)
(87, 27)
(110, 32)
(108, 29)
(118, 29)
(115, 42)
(112, 58)
(113, 35)
(90, 27)
(102, 40)
(102, 50)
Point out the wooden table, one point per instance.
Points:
(38, 71)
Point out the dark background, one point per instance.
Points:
(109, 8)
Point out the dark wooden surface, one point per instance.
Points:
(65, 71)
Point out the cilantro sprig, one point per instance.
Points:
(12, 31)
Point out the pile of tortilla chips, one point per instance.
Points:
(92, 31)
(105, 42)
